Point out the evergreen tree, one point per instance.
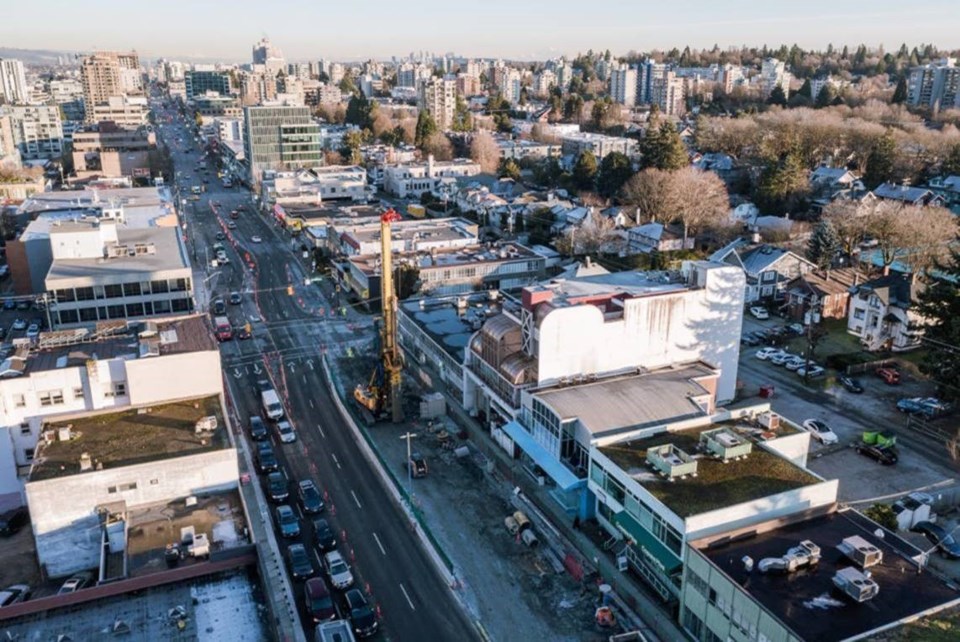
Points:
(615, 169)
(585, 170)
(426, 127)
(777, 97)
(361, 111)
(650, 146)
(900, 93)
(824, 244)
(784, 184)
(805, 89)
(880, 161)
(826, 96)
(673, 155)
(508, 168)
(939, 304)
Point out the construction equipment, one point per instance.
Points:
(382, 391)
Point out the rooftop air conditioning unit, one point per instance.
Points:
(860, 551)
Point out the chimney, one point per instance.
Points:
(886, 270)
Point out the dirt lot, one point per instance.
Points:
(18, 560)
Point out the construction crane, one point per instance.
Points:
(382, 391)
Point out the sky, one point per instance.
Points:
(514, 29)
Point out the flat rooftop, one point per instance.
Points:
(417, 230)
(805, 600)
(470, 255)
(170, 255)
(634, 283)
(618, 404)
(157, 199)
(116, 439)
(717, 485)
(447, 324)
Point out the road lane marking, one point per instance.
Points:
(379, 543)
(409, 601)
(311, 401)
(356, 501)
(337, 462)
(322, 434)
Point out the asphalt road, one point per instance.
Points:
(412, 599)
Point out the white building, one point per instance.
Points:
(668, 93)
(510, 85)
(773, 73)
(623, 85)
(883, 313)
(439, 97)
(936, 86)
(13, 81)
(575, 144)
(317, 185)
(126, 111)
(413, 179)
(544, 81)
(37, 131)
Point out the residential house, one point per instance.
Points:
(908, 195)
(829, 290)
(644, 239)
(834, 178)
(948, 187)
(622, 217)
(768, 269)
(883, 313)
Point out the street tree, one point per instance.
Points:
(426, 127)
(939, 306)
(647, 191)
(698, 200)
(439, 146)
(508, 168)
(484, 150)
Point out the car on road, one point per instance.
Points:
(33, 330)
(14, 594)
(256, 238)
(235, 298)
(278, 487)
(19, 324)
(258, 430)
(885, 455)
(286, 432)
(363, 618)
(759, 313)
(337, 570)
(243, 333)
(765, 353)
(782, 357)
(323, 535)
(287, 521)
(937, 535)
(23, 305)
(850, 384)
(751, 339)
(812, 373)
(310, 499)
(219, 307)
(820, 431)
(266, 458)
(221, 236)
(231, 225)
(318, 600)
(9, 304)
(300, 565)
(75, 583)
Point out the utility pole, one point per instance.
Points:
(408, 436)
(812, 317)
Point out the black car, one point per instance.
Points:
(235, 298)
(939, 537)
(363, 618)
(13, 520)
(258, 429)
(219, 307)
(325, 538)
(310, 499)
(300, 565)
(277, 486)
(266, 458)
(850, 384)
(885, 455)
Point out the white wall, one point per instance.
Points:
(175, 376)
(61, 508)
(654, 331)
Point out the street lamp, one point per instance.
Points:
(408, 436)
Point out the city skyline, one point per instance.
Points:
(181, 30)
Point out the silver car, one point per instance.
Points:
(337, 570)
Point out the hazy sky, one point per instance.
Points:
(352, 29)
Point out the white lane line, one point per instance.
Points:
(409, 601)
(337, 462)
(322, 434)
(355, 500)
(379, 543)
(311, 403)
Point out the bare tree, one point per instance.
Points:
(439, 145)
(484, 150)
(596, 234)
(381, 123)
(927, 234)
(648, 191)
(699, 200)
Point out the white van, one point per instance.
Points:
(272, 407)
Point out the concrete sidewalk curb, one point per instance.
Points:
(449, 578)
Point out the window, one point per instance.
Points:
(57, 397)
(120, 389)
(25, 429)
(154, 482)
(158, 287)
(68, 316)
(135, 309)
(28, 453)
(859, 314)
(19, 401)
(44, 399)
(84, 294)
(113, 291)
(78, 392)
(88, 314)
(131, 289)
(120, 488)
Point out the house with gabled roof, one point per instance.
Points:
(768, 269)
(946, 186)
(829, 290)
(883, 313)
(834, 178)
(908, 195)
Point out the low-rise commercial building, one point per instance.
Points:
(362, 237)
(600, 145)
(315, 186)
(410, 180)
(106, 150)
(124, 111)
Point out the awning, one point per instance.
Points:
(563, 476)
(645, 540)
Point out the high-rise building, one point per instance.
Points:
(280, 137)
(510, 83)
(623, 85)
(13, 81)
(647, 73)
(199, 82)
(439, 97)
(109, 73)
(267, 54)
(667, 93)
(936, 86)
(773, 74)
(37, 131)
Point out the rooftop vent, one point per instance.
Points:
(86, 463)
(860, 551)
(796, 558)
(207, 424)
(855, 584)
(671, 462)
(723, 444)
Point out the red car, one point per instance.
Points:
(890, 376)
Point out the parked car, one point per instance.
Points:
(890, 376)
(33, 330)
(300, 565)
(325, 538)
(266, 458)
(759, 313)
(885, 455)
(277, 486)
(929, 407)
(939, 537)
(221, 236)
(795, 363)
(850, 384)
(287, 521)
(813, 372)
(219, 307)
(258, 430)
(235, 298)
(337, 570)
(9, 304)
(242, 333)
(14, 594)
(363, 618)
(75, 583)
(13, 520)
(286, 432)
(256, 239)
(318, 600)
(310, 499)
(19, 324)
(782, 357)
(820, 431)
(765, 353)
(796, 328)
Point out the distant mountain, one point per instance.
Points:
(35, 56)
